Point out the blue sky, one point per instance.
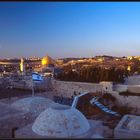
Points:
(69, 29)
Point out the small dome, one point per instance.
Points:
(60, 121)
(35, 105)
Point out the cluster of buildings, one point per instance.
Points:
(40, 116)
(21, 78)
(37, 63)
(46, 66)
(102, 61)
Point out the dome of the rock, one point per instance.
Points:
(60, 121)
(46, 61)
(34, 105)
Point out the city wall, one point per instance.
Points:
(129, 101)
(133, 80)
(68, 88)
(127, 88)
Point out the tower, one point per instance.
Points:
(22, 65)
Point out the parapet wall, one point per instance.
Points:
(120, 88)
(68, 88)
(129, 101)
(133, 80)
(134, 88)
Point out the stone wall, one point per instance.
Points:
(133, 80)
(129, 88)
(68, 88)
(134, 88)
(129, 101)
(120, 87)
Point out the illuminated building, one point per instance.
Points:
(46, 61)
(129, 57)
(129, 68)
(22, 65)
(47, 65)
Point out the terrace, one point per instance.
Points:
(65, 94)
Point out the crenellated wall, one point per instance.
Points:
(68, 88)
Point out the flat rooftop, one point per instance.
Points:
(7, 111)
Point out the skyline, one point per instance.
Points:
(69, 29)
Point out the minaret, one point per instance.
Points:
(22, 66)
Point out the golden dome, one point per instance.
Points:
(46, 61)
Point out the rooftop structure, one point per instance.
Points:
(128, 127)
(50, 119)
(66, 122)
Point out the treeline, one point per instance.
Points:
(93, 75)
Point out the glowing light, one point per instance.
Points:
(129, 68)
(46, 61)
(100, 59)
(129, 57)
(21, 65)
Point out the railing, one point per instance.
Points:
(94, 101)
(76, 98)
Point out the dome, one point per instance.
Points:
(61, 121)
(46, 61)
(35, 105)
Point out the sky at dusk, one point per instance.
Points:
(69, 29)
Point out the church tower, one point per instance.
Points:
(22, 66)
